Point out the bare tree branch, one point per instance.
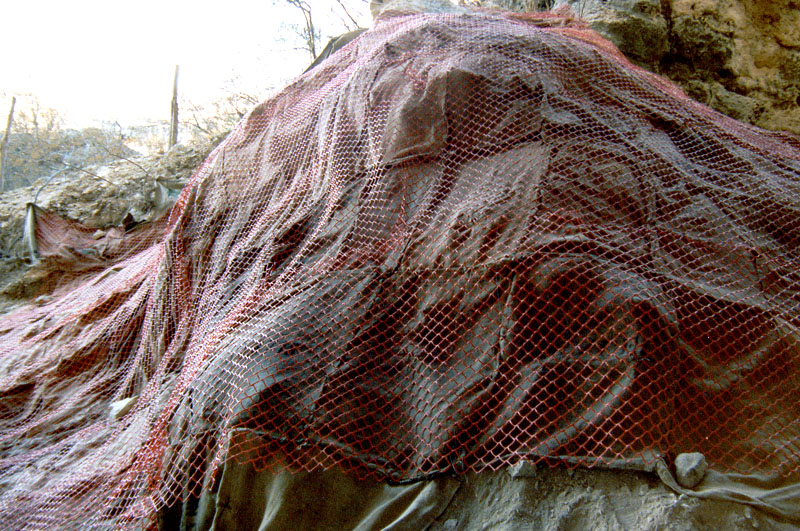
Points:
(87, 172)
(121, 157)
(309, 33)
(356, 25)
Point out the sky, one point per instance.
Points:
(114, 60)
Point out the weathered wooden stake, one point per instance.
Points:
(173, 124)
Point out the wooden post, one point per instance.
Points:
(5, 143)
(173, 124)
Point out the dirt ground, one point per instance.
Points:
(563, 499)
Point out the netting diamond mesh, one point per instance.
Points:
(463, 240)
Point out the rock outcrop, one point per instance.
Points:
(740, 57)
(99, 196)
(109, 196)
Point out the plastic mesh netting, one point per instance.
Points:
(463, 240)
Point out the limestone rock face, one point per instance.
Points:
(749, 67)
(741, 57)
(638, 28)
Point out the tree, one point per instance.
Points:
(347, 12)
(4, 144)
(208, 122)
(37, 145)
(308, 32)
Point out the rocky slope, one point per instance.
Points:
(740, 57)
(125, 192)
(99, 196)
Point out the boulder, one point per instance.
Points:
(690, 469)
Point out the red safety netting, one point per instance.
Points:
(463, 240)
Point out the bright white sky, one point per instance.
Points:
(95, 60)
